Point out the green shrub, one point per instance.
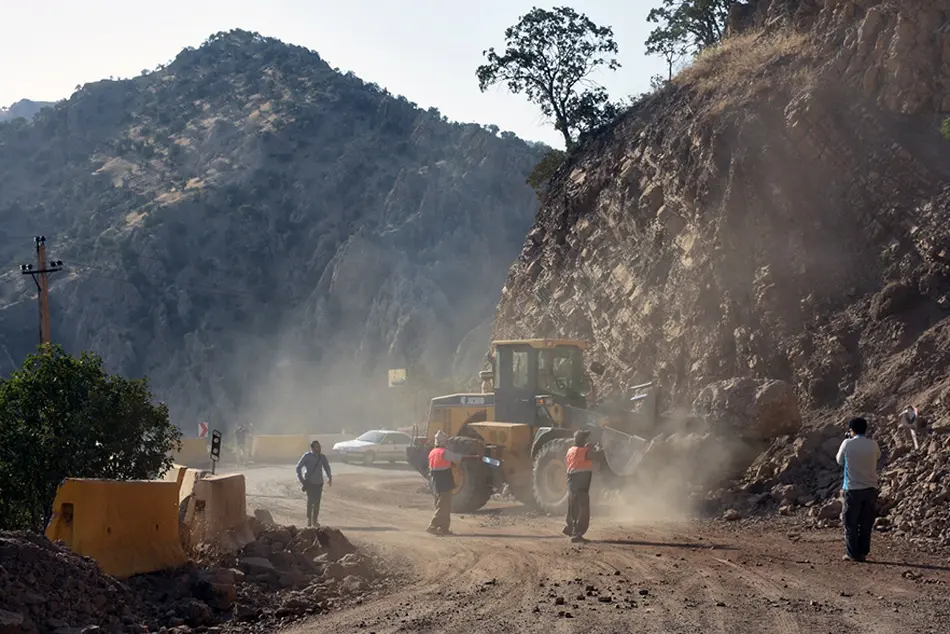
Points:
(63, 416)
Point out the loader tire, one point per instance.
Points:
(550, 476)
(466, 445)
(473, 485)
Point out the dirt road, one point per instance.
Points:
(507, 572)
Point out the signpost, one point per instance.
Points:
(397, 377)
(202, 430)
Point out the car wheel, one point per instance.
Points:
(368, 458)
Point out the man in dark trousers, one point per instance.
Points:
(859, 455)
(443, 483)
(580, 472)
(314, 463)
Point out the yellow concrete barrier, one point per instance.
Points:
(217, 513)
(176, 473)
(188, 480)
(279, 449)
(194, 452)
(128, 528)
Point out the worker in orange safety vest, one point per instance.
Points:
(442, 483)
(580, 472)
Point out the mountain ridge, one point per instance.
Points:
(248, 206)
(25, 108)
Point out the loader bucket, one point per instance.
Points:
(417, 455)
(623, 451)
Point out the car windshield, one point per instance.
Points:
(371, 436)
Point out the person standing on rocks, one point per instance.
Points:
(443, 483)
(580, 473)
(859, 455)
(314, 463)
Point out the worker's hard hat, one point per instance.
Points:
(440, 438)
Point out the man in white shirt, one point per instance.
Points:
(859, 455)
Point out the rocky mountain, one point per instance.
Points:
(260, 234)
(780, 211)
(25, 108)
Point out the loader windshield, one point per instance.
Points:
(561, 372)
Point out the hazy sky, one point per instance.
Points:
(426, 50)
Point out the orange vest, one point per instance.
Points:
(437, 461)
(577, 460)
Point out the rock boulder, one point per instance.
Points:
(755, 409)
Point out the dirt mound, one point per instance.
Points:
(778, 212)
(285, 575)
(45, 587)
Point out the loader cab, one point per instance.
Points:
(526, 369)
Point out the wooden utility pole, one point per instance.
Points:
(43, 269)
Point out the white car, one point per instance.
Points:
(373, 446)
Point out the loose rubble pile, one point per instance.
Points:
(574, 598)
(285, 575)
(777, 211)
(46, 588)
(798, 475)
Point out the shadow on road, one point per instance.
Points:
(507, 536)
(907, 565)
(639, 542)
(507, 511)
(368, 529)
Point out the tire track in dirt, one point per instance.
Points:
(499, 573)
(783, 623)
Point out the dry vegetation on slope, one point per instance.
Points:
(780, 211)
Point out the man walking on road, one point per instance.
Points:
(580, 472)
(442, 482)
(859, 455)
(312, 482)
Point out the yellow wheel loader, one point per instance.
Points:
(522, 422)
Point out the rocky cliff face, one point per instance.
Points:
(260, 234)
(781, 211)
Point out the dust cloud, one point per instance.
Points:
(679, 467)
(292, 393)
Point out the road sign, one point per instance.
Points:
(397, 377)
(202, 430)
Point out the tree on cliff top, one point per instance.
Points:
(687, 26)
(549, 57)
(62, 416)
